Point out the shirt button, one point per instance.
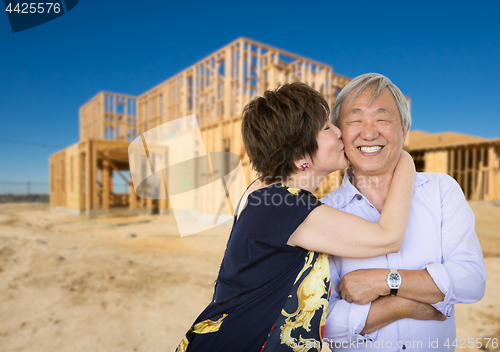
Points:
(359, 197)
(404, 347)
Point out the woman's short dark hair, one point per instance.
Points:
(281, 127)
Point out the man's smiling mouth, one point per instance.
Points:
(373, 149)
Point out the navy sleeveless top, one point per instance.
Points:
(268, 296)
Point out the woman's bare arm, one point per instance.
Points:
(334, 232)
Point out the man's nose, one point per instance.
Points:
(369, 131)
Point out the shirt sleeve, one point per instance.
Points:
(344, 320)
(461, 276)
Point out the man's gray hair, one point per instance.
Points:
(376, 82)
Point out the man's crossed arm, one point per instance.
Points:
(413, 300)
(426, 294)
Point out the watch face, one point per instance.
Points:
(394, 280)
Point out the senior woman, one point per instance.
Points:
(273, 286)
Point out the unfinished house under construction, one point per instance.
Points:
(216, 89)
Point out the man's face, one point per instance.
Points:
(373, 135)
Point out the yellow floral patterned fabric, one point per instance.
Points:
(203, 327)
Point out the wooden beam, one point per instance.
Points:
(81, 180)
(466, 170)
(93, 170)
(493, 177)
(216, 124)
(110, 163)
(241, 74)
(259, 69)
(482, 175)
(474, 171)
(451, 171)
(460, 171)
(132, 196)
(88, 175)
(227, 83)
(106, 189)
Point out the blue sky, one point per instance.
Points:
(443, 54)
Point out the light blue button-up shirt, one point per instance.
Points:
(441, 231)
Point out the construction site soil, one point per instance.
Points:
(133, 284)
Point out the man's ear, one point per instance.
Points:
(405, 134)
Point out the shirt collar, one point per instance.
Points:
(346, 192)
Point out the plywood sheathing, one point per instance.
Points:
(81, 176)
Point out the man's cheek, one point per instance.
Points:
(349, 153)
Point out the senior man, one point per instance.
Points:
(401, 301)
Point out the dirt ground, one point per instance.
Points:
(67, 284)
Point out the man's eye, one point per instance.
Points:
(327, 128)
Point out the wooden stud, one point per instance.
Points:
(482, 175)
(240, 74)
(93, 168)
(460, 171)
(451, 171)
(493, 177)
(132, 197)
(466, 173)
(81, 180)
(106, 187)
(89, 181)
(473, 174)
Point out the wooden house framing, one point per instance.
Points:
(472, 161)
(216, 89)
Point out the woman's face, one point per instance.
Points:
(330, 154)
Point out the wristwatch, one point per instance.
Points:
(394, 281)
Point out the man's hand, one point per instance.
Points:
(364, 286)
